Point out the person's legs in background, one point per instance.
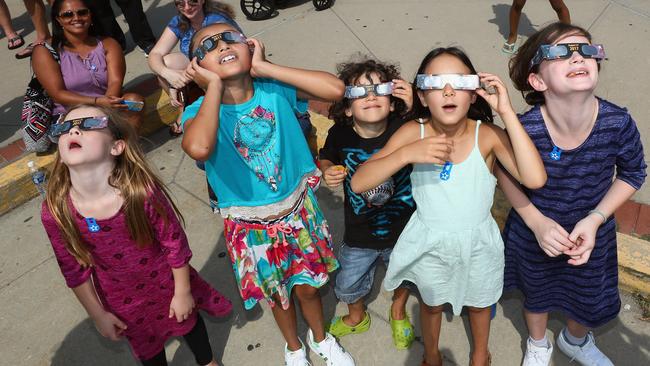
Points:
(138, 24)
(14, 40)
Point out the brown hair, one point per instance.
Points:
(209, 6)
(519, 65)
(351, 72)
(131, 175)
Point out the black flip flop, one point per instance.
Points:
(26, 52)
(12, 41)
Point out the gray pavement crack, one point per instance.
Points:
(602, 12)
(6, 285)
(353, 33)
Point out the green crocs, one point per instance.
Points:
(403, 335)
(338, 328)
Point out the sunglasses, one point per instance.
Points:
(183, 3)
(438, 82)
(85, 123)
(69, 14)
(211, 42)
(565, 50)
(361, 91)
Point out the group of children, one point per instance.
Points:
(418, 162)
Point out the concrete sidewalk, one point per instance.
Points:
(42, 322)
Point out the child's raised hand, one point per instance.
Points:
(431, 150)
(259, 58)
(181, 306)
(403, 90)
(109, 326)
(334, 175)
(551, 237)
(584, 234)
(500, 100)
(201, 76)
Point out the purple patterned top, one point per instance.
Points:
(136, 284)
(87, 76)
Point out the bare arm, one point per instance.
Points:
(403, 148)
(514, 150)
(200, 135)
(115, 67)
(107, 323)
(163, 47)
(182, 303)
(309, 84)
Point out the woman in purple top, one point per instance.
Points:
(118, 241)
(170, 66)
(91, 68)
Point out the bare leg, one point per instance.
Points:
(36, 10)
(398, 307)
(479, 320)
(356, 313)
(134, 118)
(286, 321)
(576, 329)
(561, 10)
(515, 13)
(536, 323)
(312, 309)
(431, 318)
(5, 21)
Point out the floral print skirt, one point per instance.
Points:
(270, 257)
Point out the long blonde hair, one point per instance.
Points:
(132, 176)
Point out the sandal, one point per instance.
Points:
(338, 328)
(175, 129)
(15, 42)
(27, 51)
(509, 47)
(402, 331)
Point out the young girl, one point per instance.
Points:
(258, 163)
(375, 101)
(561, 239)
(118, 240)
(451, 248)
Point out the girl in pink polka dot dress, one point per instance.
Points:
(118, 240)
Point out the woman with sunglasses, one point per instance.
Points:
(170, 66)
(91, 68)
(560, 240)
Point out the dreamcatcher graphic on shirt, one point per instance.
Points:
(256, 141)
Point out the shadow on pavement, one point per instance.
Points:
(501, 19)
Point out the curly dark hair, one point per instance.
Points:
(479, 110)
(519, 64)
(351, 72)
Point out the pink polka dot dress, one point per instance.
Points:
(136, 284)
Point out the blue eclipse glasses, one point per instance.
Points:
(361, 91)
(85, 123)
(211, 43)
(565, 50)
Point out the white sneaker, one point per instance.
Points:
(330, 350)
(587, 355)
(537, 356)
(296, 358)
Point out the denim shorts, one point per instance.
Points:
(357, 272)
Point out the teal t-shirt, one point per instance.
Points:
(260, 155)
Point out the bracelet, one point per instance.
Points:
(599, 213)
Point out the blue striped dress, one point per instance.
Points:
(576, 183)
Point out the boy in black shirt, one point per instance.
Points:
(375, 101)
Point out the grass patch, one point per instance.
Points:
(644, 304)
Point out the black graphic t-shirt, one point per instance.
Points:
(373, 219)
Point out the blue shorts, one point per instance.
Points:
(355, 278)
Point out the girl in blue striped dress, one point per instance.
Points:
(560, 240)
